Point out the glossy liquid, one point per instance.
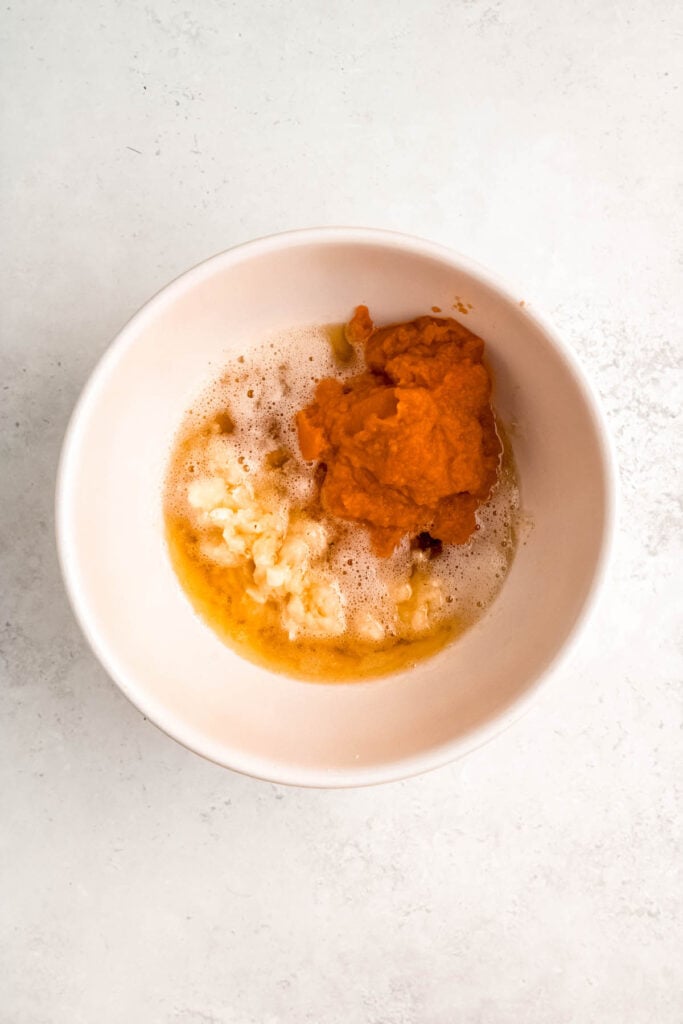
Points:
(474, 572)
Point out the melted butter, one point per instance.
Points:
(342, 350)
(254, 631)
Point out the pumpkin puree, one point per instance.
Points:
(410, 445)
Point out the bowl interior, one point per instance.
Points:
(131, 604)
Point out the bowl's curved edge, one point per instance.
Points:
(362, 776)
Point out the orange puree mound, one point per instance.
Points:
(409, 446)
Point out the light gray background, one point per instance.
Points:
(538, 882)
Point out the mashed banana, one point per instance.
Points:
(282, 554)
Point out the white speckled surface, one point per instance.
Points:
(538, 881)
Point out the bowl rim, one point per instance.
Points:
(274, 770)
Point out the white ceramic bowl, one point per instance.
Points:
(139, 621)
